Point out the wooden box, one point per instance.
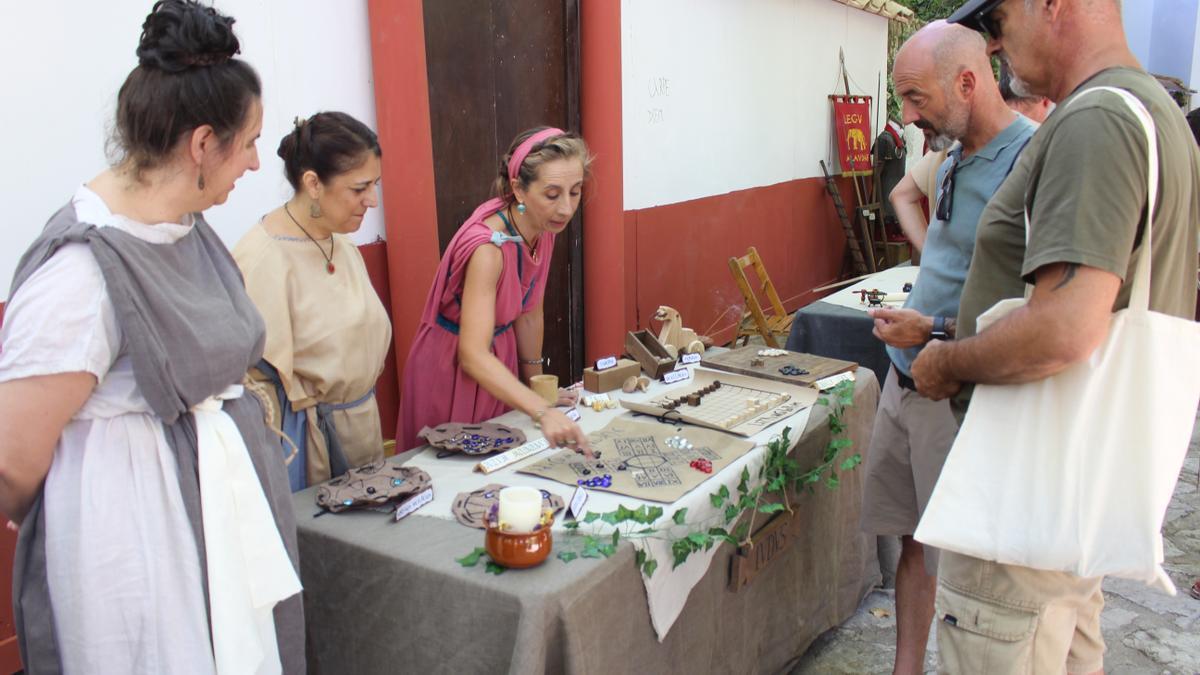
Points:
(653, 356)
(611, 378)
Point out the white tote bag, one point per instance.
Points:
(1074, 473)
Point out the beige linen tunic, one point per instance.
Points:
(327, 335)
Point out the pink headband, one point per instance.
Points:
(522, 151)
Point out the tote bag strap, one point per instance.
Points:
(1139, 297)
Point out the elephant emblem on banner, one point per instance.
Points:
(856, 140)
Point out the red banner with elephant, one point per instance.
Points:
(852, 133)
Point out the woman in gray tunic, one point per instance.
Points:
(156, 529)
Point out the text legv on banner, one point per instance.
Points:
(852, 133)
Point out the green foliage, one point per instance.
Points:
(471, 559)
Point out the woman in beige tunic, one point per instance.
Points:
(327, 331)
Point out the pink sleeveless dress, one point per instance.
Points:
(435, 389)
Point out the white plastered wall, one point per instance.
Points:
(61, 64)
(724, 95)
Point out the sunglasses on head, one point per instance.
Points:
(989, 24)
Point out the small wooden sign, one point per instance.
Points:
(767, 545)
(676, 376)
(689, 358)
(606, 363)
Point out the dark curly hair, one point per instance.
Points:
(186, 77)
(328, 144)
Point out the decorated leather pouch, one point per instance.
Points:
(372, 485)
(472, 439)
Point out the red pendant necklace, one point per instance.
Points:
(329, 267)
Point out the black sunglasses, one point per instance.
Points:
(945, 197)
(988, 23)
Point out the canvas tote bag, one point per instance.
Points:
(1074, 472)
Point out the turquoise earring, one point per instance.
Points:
(521, 208)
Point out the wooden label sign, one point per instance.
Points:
(768, 545)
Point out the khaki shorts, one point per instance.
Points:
(909, 444)
(994, 618)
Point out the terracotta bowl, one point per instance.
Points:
(518, 550)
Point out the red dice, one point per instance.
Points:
(702, 465)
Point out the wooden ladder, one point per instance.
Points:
(856, 254)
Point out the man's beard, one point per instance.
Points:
(939, 142)
(1020, 88)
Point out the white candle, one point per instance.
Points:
(520, 509)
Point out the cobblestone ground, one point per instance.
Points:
(1146, 630)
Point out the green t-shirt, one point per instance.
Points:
(1083, 178)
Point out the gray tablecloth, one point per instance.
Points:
(838, 332)
(383, 597)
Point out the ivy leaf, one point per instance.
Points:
(639, 557)
(567, 556)
(471, 559)
(493, 568)
(716, 499)
(679, 516)
(741, 531)
(840, 443)
(616, 537)
(743, 485)
(654, 514)
(571, 524)
(649, 567)
(607, 550)
(610, 517)
(832, 481)
(699, 539)
(646, 530)
(624, 513)
(680, 550)
(724, 492)
(591, 517)
(722, 535)
(851, 462)
(770, 508)
(823, 401)
(731, 512)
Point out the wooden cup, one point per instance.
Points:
(545, 386)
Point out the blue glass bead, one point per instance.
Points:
(348, 502)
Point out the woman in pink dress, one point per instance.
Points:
(480, 338)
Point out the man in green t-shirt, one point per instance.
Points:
(1083, 181)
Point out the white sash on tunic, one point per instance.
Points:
(248, 567)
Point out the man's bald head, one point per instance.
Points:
(942, 74)
(948, 49)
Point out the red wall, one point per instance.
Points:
(682, 251)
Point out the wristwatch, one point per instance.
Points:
(939, 329)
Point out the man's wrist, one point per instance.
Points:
(937, 329)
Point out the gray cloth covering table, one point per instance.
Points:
(384, 597)
(838, 332)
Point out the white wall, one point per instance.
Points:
(723, 95)
(63, 62)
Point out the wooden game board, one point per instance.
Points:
(738, 361)
(640, 461)
(742, 405)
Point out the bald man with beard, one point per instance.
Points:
(945, 79)
(1070, 221)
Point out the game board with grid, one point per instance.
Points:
(733, 403)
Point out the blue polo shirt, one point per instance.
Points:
(949, 244)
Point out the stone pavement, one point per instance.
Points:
(1146, 630)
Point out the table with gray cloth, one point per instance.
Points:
(838, 332)
(384, 597)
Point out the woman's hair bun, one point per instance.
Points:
(181, 34)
